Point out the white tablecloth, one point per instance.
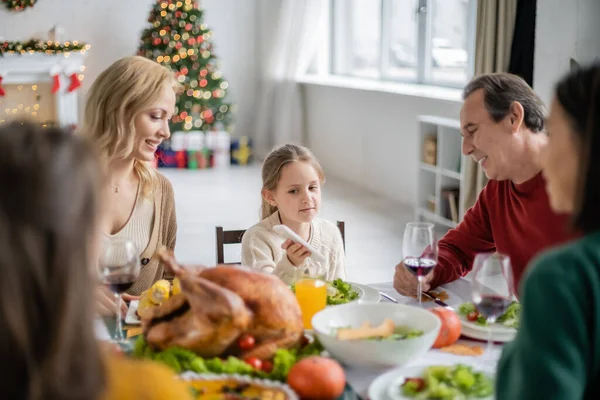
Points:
(360, 378)
(101, 330)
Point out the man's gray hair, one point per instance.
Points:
(500, 90)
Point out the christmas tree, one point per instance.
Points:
(178, 38)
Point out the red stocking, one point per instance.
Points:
(75, 82)
(55, 83)
(2, 92)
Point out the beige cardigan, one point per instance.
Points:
(164, 232)
(261, 249)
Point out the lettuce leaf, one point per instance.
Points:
(180, 360)
(345, 293)
(510, 318)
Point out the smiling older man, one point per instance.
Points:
(502, 122)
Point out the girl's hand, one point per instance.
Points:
(296, 253)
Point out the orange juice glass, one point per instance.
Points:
(311, 293)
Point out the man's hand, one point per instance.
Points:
(296, 253)
(406, 283)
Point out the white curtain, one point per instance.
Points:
(279, 117)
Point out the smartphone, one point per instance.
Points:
(294, 237)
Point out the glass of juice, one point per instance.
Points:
(311, 292)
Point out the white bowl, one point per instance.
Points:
(375, 353)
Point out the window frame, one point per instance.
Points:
(424, 40)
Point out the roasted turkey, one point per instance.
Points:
(218, 305)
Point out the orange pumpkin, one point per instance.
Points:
(450, 329)
(318, 378)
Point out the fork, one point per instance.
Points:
(390, 298)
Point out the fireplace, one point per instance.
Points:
(41, 87)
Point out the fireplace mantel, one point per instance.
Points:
(36, 68)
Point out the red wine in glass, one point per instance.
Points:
(491, 307)
(419, 249)
(419, 266)
(119, 268)
(119, 283)
(492, 289)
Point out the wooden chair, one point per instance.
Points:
(235, 237)
(342, 227)
(227, 237)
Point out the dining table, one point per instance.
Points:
(359, 379)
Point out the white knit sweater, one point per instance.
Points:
(261, 249)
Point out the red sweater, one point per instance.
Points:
(507, 218)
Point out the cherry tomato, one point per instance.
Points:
(246, 342)
(472, 316)
(267, 366)
(254, 362)
(419, 382)
(304, 340)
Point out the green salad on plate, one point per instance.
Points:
(510, 318)
(443, 382)
(338, 292)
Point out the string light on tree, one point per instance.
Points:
(18, 5)
(178, 38)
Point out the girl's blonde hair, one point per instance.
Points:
(121, 92)
(273, 165)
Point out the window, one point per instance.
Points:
(421, 41)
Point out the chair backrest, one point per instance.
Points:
(227, 237)
(235, 237)
(342, 227)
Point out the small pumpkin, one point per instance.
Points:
(450, 329)
(318, 378)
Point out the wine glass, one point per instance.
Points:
(119, 269)
(419, 249)
(492, 289)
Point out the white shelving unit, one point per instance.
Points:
(448, 173)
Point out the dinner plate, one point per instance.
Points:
(366, 293)
(243, 379)
(388, 385)
(131, 318)
(500, 333)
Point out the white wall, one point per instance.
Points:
(366, 138)
(113, 28)
(564, 30)
(370, 138)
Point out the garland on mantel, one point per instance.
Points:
(37, 46)
(18, 5)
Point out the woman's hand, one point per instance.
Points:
(106, 304)
(296, 253)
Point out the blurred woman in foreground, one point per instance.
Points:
(50, 233)
(556, 354)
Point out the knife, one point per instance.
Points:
(436, 300)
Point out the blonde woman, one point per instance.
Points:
(127, 117)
